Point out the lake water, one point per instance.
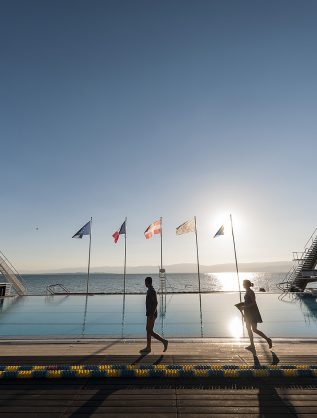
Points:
(113, 283)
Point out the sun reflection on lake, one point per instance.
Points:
(235, 327)
(228, 282)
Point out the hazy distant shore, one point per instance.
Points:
(269, 267)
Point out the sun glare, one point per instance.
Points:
(235, 327)
(223, 218)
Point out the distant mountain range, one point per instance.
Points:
(269, 267)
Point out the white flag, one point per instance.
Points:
(188, 226)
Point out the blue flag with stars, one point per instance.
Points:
(85, 230)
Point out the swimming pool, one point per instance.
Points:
(179, 315)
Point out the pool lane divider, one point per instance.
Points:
(66, 371)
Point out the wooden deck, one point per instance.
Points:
(156, 398)
(124, 398)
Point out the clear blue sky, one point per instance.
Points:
(156, 108)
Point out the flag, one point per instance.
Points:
(120, 231)
(221, 231)
(154, 228)
(188, 226)
(85, 230)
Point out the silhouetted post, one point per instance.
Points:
(235, 255)
(197, 255)
(88, 276)
(198, 274)
(161, 226)
(125, 255)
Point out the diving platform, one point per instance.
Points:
(303, 270)
(11, 275)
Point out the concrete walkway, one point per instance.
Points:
(157, 398)
(179, 351)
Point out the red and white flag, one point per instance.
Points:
(153, 229)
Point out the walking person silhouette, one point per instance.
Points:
(252, 316)
(151, 315)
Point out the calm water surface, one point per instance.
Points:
(179, 316)
(113, 283)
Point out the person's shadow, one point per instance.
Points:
(275, 359)
(256, 361)
(141, 357)
(276, 405)
(271, 404)
(88, 408)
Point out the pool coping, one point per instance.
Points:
(198, 340)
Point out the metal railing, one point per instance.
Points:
(12, 275)
(51, 288)
(299, 259)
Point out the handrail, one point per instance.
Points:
(8, 271)
(50, 288)
(13, 268)
(310, 238)
(298, 263)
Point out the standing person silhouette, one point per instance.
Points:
(252, 315)
(151, 315)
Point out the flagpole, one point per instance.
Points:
(161, 219)
(197, 254)
(89, 256)
(235, 255)
(125, 255)
(198, 273)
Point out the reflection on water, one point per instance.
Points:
(235, 327)
(306, 302)
(308, 305)
(179, 315)
(227, 282)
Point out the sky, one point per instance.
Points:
(156, 108)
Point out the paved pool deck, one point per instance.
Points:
(180, 351)
(159, 397)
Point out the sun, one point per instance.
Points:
(222, 217)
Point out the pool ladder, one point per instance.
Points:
(12, 275)
(51, 289)
(303, 270)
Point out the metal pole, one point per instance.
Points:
(125, 256)
(235, 255)
(161, 219)
(89, 256)
(198, 273)
(197, 254)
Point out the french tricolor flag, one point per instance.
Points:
(120, 231)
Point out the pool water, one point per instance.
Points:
(179, 315)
